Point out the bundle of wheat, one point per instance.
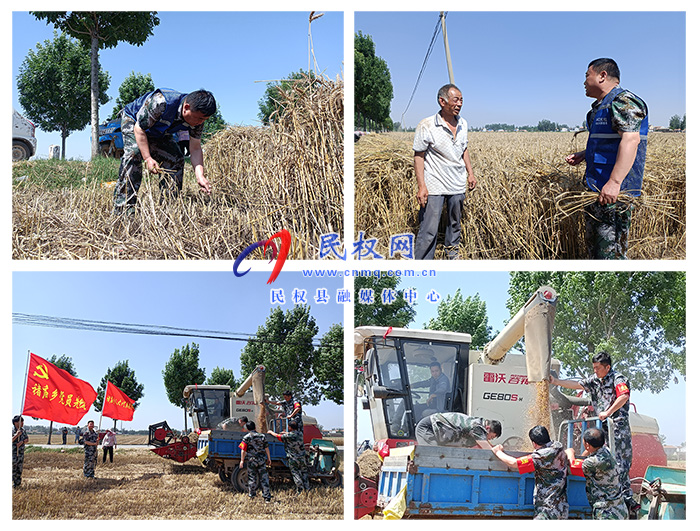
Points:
(528, 203)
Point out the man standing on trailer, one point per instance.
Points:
(443, 174)
(292, 408)
(610, 395)
(550, 465)
(618, 124)
(602, 482)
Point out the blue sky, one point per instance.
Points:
(668, 407)
(522, 67)
(195, 300)
(228, 53)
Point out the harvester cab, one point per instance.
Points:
(411, 374)
(208, 405)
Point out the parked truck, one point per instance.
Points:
(215, 410)
(23, 139)
(492, 384)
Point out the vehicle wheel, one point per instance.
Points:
(514, 443)
(224, 476)
(239, 479)
(335, 481)
(19, 151)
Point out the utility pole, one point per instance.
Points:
(447, 48)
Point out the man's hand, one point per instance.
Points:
(471, 181)
(204, 184)
(603, 415)
(576, 158)
(422, 196)
(152, 165)
(497, 448)
(608, 195)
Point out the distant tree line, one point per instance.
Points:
(676, 122)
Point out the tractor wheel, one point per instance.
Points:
(224, 476)
(239, 479)
(335, 481)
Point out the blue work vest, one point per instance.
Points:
(165, 124)
(601, 149)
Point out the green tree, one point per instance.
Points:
(274, 101)
(546, 125)
(220, 376)
(101, 30)
(397, 313)
(284, 345)
(637, 317)
(328, 368)
(132, 88)
(373, 88)
(54, 86)
(457, 313)
(124, 378)
(182, 369)
(676, 122)
(66, 363)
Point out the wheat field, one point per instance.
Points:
(528, 200)
(140, 485)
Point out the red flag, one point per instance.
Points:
(117, 405)
(54, 394)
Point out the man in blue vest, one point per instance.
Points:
(149, 125)
(618, 124)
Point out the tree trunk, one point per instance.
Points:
(94, 94)
(64, 136)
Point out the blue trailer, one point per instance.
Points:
(220, 452)
(466, 482)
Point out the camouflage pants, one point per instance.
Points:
(552, 509)
(257, 473)
(623, 458)
(610, 511)
(164, 150)
(300, 473)
(90, 461)
(17, 467)
(607, 230)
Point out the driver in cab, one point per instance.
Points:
(438, 386)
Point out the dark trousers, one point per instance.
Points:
(108, 450)
(429, 218)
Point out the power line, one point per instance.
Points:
(155, 330)
(425, 63)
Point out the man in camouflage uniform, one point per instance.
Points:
(615, 155)
(297, 459)
(610, 395)
(456, 429)
(19, 440)
(148, 128)
(90, 441)
(550, 465)
(292, 408)
(255, 455)
(602, 481)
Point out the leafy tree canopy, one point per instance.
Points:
(54, 86)
(329, 364)
(457, 313)
(274, 101)
(398, 313)
(132, 88)
(182, 369)
(124, 378)
(284, 345)
(373, 88)
(637, 317)
(221, 376)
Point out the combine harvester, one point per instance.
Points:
(215, 411)
(466, 482)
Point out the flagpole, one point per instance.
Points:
(104, 399)
(26, 381)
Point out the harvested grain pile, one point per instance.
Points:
(264, 179)
(288, 175)
(369, 464)
(522, 205)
